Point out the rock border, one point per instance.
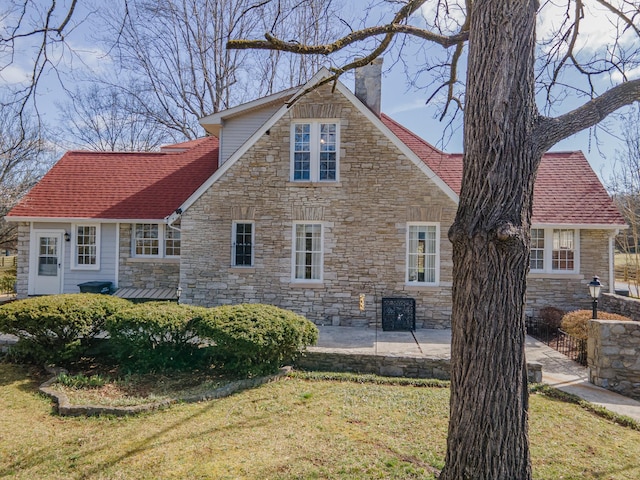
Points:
(65, 409)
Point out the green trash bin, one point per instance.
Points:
(95, 287)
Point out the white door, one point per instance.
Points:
(48, 263)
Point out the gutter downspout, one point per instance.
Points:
(612, 273)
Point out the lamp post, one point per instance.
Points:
(594, 291)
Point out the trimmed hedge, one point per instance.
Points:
(575, 323)
(255, 338)
(157, 336)
(57, 328)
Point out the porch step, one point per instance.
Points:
(146, 293)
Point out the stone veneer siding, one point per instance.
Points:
(144, 272)
(613, 356)
(364, 217)
(627, 306)
(571, 292)
(22, 278)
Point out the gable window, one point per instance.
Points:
(554, 250)
(307, 254)
(242, 244)
(155, 240)
(86, 247)
(423, 253)
(314, 151)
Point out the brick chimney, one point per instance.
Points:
(369, 85)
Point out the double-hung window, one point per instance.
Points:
(423, 253)
(554, 250)
(86, 247)
(155, 240)
(315, 151)
(242, 244)
(307, 252)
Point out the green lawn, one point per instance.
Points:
(291, 429)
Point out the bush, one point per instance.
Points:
(255, 338)
(8, 283)
(575, 323)
(56, 328)
(551, 316)
(155, 337)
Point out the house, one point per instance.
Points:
(313, 202)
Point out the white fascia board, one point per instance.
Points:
(406, 151)
(217, 118)
(580, 226)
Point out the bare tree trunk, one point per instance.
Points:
(488, 433)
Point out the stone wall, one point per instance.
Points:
(613, 356)
(364, 217)
(22, 279)
(570, 292)
(629, 307)
(144, 272)
(325, 360)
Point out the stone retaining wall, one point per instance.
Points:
(627, 306)
(389, 365)
(613, 356)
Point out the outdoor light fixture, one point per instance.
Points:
(594, 291)
(178, 292)
(67, 237)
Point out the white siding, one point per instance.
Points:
(107, 270)
(237, 130)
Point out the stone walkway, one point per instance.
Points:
(557, 370)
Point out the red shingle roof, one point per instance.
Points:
(120, 185)
(567, 190)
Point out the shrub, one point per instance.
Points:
(156, 336)
(81, 381)
(56, 328)
(575, 323)
(256, 338)
(8, 283)
(551, 316)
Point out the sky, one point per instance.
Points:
(403, 103)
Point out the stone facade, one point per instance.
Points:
(22, 278)
(613, 355)
(144, 272)
(627, 306)
(570, 292)
(364, 218)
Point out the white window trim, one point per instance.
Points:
(161, 241)
(293, 253)
(416, 283)
(233, 241)
(548, 251)
(314, 174)
(74, 247)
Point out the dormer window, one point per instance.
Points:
(314, 151)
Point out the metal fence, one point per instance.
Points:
(573, 347)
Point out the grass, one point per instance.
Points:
(292, 429)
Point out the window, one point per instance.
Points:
(156, 240)
(554, 250)
(242, 244)
(314, 151)
(86, 247)
(307, 252)
(422, 253)
(562, 258)
(171, 242)
(537, 249)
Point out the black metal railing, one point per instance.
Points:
(570, 346)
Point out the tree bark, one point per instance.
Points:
(488, 430)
